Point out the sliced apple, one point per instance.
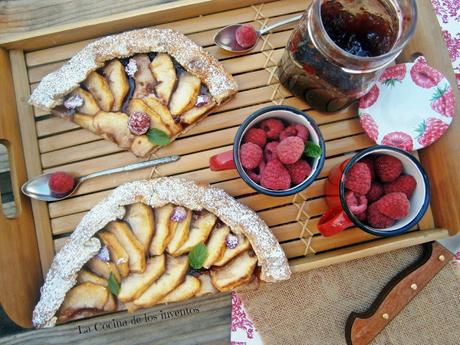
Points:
(114, 127)
(136, 283)
(85, 296)
(164, 72)
(142, 146)
(103, 268)
(194, 114)
(115, 74)
(143, 78)
(99, 88)
(90, 106)
(164, 113)
(229, 254)
(184, 97)
(176, 269)
(140, 218)
(137, 105)
(118, 254)
(111, 304)
(236, 272)
(180, 233)
(85, 121)
(85, 276)
(199, 232)
(216, 245)
(184, 291)
(130, 243)
(162, 229)
(206, 287)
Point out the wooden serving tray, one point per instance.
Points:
(50, 143)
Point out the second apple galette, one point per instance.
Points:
(158, 241)
(139, 89)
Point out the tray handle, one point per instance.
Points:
(20, 270)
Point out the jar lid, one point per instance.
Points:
(410, 107)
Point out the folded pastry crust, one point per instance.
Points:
(83, 245)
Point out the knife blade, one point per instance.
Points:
(362, 328)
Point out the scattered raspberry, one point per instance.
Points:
(376, 219)
(357, 204)
(231, 241)
(246, 36)
(273, 128)
(299, 171)
(295, 131)
(369, 161)
(290, 150)
(61, 183)
(256, 136)
(275, 176)
(250, 155)
(358, 178)
(138, 123)
(256, 173)
(394, 205)
(375, 192)
(388, 168)
(179, 214)
(270, 150)
(405, 184)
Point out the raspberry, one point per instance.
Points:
(256, 136)
(388, 168)
(394, 205)
(254, 174)
(275, 176)
(246, 36)
(358, 178)
(138, 123)
(270, 150)
(356, 203)
(273, 128)
(61, 183)
(405, 184)
(376, 219)
(375, 192)
(295, 131)
(369, 161)
(250, 155)
(299, 171)
(290, 150)
(362, 216)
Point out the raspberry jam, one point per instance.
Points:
(339, 48)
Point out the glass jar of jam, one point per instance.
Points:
(340, 47)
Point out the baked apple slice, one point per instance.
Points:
(164, 72)
(118, 254)
(216, 245)
(164, 113)
(141, 146)
(114, 127)
(137, 105)
(176, 269)
(141, 221)
(201, 227)
(130, 243)
(85, 276)
(180, 232)
(194, 114)
(111, 304)
(230, 253)
(99, 88)
(90, 106)
(85, 121)
(184, 291)
(135, 284)
(143, 78)
(115, 74)
(162, 229)
(103, 268)
(185, 95)
(206, 287)
(236, 272)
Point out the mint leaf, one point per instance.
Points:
(114, 287)
(197, 256)
(312, 150)
(158, 137)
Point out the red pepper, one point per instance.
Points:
(222, 161)
(334, 221)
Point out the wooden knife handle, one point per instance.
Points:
(361, 328)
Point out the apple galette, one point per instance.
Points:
(139, 89)
(158, 241)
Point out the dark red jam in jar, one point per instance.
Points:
(339, 48)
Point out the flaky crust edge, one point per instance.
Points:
(51, 90)
(82, 246)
